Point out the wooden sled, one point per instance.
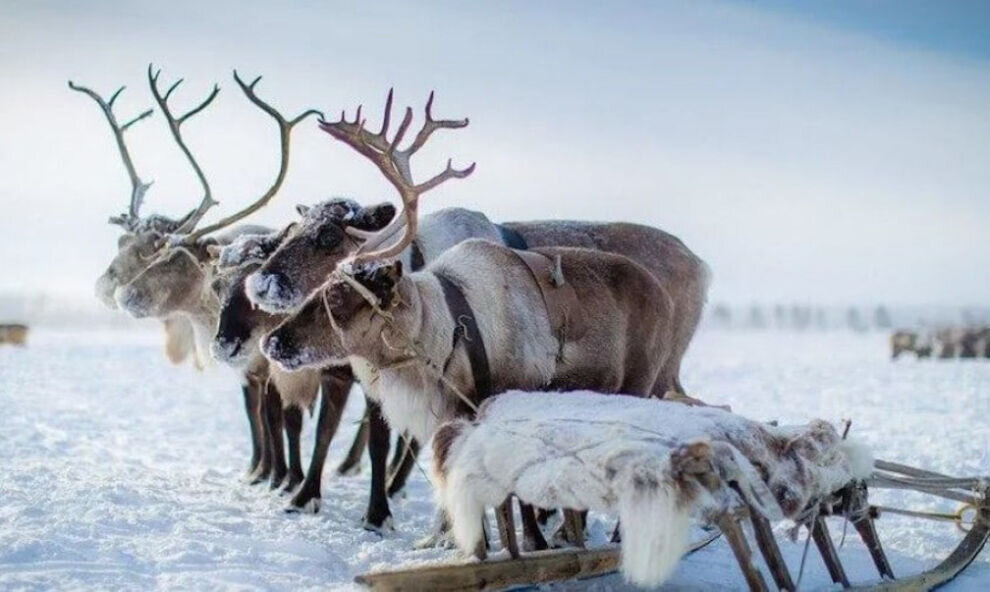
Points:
(850, 502)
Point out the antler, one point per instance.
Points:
(284, 131)
(175, 126)
(394, 164)
(130, 219)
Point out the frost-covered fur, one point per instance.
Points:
(633, 457)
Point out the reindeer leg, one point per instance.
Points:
(823, 540)
(252, 407)
(335, 388)
(532, 537)
(276, 443)
(507, 527)
(265, 466)
(378, 444)
(293, 427)
(409, 450)
(351, 464)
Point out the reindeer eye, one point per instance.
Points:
(329, 237)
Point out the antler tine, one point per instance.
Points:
(285, 131)
(190, 220)
(130, 219)
(394, 165)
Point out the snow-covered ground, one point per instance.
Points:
(118, 471)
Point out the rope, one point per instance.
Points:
(411, 346)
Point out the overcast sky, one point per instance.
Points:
(837, 156)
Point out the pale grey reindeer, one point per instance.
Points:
(136, 246)
(177, 284)
(550, 318)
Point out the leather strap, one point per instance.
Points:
(416, 259)
(466, 330)
(511, 238)
(561, 300)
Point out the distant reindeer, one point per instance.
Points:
(142, 236)
(903, 340)
(482, 317)
(177, 284)
(14, 334)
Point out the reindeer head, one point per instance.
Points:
(240, 324)
(344, 318)
(311, 251)
(173, 282)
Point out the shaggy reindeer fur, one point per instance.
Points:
(318, 242)
(636, 458)
(618, 353)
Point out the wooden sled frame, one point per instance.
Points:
(850, 502)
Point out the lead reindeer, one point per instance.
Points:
(141, 235)
(480, 319)
(177, 284)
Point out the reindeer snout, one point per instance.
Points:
(271, 291)
(280, 350)
(132, 300)
(226, 350)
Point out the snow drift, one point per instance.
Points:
(642, 459)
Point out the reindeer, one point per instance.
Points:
(177, 283)
(239, 330)
(481, 318)
(141, 235)
(333, 230)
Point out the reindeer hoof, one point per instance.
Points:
(260, 476)
(292, 484)
(309, 506)
(383, 527)
(349, 470)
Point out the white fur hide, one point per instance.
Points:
(611, 453)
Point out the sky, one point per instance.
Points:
(826, 153)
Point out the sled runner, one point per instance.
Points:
(660, 466)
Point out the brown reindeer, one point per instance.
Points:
(141, 236)
(177, 283)
(239, 330)
(481, 318)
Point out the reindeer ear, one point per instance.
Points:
(213, 250)
(302, 209)
(373, 217)
(124, 240)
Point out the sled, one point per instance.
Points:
(851, 502)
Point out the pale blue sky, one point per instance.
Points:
(837, 155)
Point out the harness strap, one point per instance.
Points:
(559, 297)
(416, 259)
(466, 330)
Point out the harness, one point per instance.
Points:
(559, 297)
(466, 331)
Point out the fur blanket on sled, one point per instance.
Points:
(642, 459)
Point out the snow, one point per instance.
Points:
(121, 471)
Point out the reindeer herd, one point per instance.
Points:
(430, 314)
